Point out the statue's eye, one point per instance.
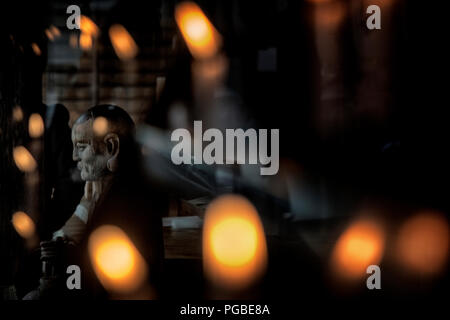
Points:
(81, 146)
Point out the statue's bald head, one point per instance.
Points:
(100, 137)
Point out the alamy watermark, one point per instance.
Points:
(241, 147)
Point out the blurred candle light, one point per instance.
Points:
(36, 49)
(23, 224)
(123, 44)
(23, 159)
(85, 41)
(329, 14)
(117, 263)
(17, 114)
(201, 37)
(423, 243)
(100, 126)
(234, 245)
(73, 40)
(55, 31)
(35, 125)
(361, 245)
(49, 34)
(88, 26)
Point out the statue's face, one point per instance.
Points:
(89, 151)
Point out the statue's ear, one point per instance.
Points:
(112, 151)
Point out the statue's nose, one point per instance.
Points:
(75, 155)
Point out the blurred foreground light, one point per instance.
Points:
(55, 31)
(85, 41)
(23, 224)
(49, 34)
(36, 49)
(201, 37)
(17, 114)
(123, 44)
(35, 125)
(117, 263)
(234, 245)
(329, 14)
(423, 243)
(73, 40)
(100, 126)
(361, 245)
(88, 26)
(23, 159)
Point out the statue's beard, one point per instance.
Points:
(92, 170)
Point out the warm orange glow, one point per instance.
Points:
(73, 40)
(234, 245)
(23, 159)
(85, 41)
(36, 49)
(210, 70)
(23, 224)
(17, 114)
(360, 246)
(201, 37)
(55, 31)
(49, 35)
(423, 243)
(117, 263)
(329, 14)
(88, 26)
(35, 125)
(122, 42)
(233, 242)
(100, 126)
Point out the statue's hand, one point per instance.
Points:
(51, 249)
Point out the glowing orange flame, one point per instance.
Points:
(35, 126)
(234, 245)
(88, 26)
(122, 42)
(329, 14)
(423, 243)
(23, 224)
(117, 263)
(201, 37)
(55, 31)
(23, 159)
(73, 40)
(360, 246)
(85, 41)
(36, 49)
(49, 35)
(17, 114)
(100, 126)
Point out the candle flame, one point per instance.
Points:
(234, 246)
(17, 114)
(55, 31)
(73, 40)
(201, 37)
(423, 243)
(23, 159)
(117, 263)
(49, 35)
(88, 26)
(85, 41)
(36, 49)
(35, 125)
(123, 44)
(100, 126)
(23, 224)
(360, 246)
